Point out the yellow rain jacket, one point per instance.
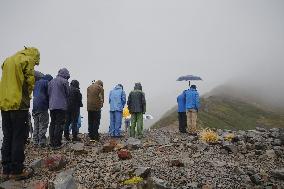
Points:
(18, 80)
(126, 113)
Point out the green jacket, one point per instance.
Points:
(18, 79)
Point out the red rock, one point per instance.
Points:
(54, 162)
(41, 185)
(108, 147)
(176, 163)
(124, 154)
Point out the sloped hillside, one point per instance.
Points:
(229, 113)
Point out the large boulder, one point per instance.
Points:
(65, 180)
(78, 148)
(133, 143)
(143, 172)
(37, 164)
(108, 147)
(55, 162)
(124, 154)
(11, 184)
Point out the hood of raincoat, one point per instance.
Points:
(75, 83)
(117, 98)
(47, 77)
(18, 79)
(117, 87)
(138, 86)
(99, 82)
(64, 73)
(32, 53)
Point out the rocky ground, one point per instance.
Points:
(164, 158)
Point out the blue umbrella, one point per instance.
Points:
(189, 78)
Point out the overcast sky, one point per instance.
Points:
(151, 41)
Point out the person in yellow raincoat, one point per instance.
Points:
(127, 118)
(17, 84)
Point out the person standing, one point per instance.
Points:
(117, 100)
(73, 112)
(137, 107)
(181, 100)
(58, 92)
(16, 87)
(192, 107)
(95, 101)
(40, 110)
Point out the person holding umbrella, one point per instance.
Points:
(192, 106)
(191, 102)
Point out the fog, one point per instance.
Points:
(153, 42)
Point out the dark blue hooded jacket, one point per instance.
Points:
(40, 94)
(181, 100)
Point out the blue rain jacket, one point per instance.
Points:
(117, 99)
(40, 94)
(181, 102)
(192, 99)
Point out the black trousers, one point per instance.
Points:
(72, 118)
(15, 128)
(182, 119)
(57, 124)
(94, 119)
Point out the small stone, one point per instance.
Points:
(36, 164)
(270, 153)
(159, 183)
(230, 148)
(192, 185)
(256, 179)
(41, 185)
(239, 171)
(175, 140)
(278, 173)
(108, 147)
(176, 163)
(207, 186)
(143, 172)
(196, 155)
(260, 129)
(78, 148)
(277, 142)
(133, 143)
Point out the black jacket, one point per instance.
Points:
(136, 100)
(75, 97)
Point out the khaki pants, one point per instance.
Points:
(191, 120)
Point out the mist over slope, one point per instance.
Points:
(233, 107)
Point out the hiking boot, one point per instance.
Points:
(43, 145)
(57, 147)
(4, 177)
(26, 174)
(67, 138)
(76, 139)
